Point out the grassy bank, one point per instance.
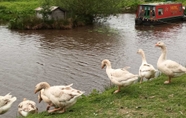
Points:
(11, 10)
(148, 100)
(20, 14)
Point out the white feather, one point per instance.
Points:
(6, 102)
(120, 77)
(146, 70)
(168, 67)
(27, 107)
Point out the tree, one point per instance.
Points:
(88, 10)
(45, 5)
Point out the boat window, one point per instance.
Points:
(160, 11)
(152, 12)
(141, 11)
(147, 11)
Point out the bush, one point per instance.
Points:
(32, 22)
(86, 11)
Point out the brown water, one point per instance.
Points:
(74, 56)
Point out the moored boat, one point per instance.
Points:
(158, 13)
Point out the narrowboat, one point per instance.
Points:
(158, 13)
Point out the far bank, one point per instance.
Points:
(22, 15)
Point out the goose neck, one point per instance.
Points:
(163, 54)
(109, 66)
(46, 86)
(143, 58)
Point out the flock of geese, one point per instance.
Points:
(61, 97)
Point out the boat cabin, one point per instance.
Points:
(158, 12)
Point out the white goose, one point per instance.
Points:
(42, 96)
(168, 67)
(120, 77)
(27, 107)
(146, 70)
(6, 102)
(60, 96)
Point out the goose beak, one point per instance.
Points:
(102, 66)
(35, 91)
(39, 100)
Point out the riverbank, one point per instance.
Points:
(149, 99)
(10, 10)
(21, 15)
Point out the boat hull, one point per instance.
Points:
(144, 21)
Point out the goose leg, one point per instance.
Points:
(48, 107)
(141, 80)
(53, 110)
(169, 81)
(116, 91)
(62, 111)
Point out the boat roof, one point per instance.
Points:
(160, 3)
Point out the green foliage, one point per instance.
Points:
(45, 9)
(87, 10)
(182, 1)
(32, 22)
(23, 22)
(130, 5)
(11, 10)
(155, 0)
(20, 14)
(81, 12)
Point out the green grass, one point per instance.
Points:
(147, 100)
(11, 10)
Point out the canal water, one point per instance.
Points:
(62, 57)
